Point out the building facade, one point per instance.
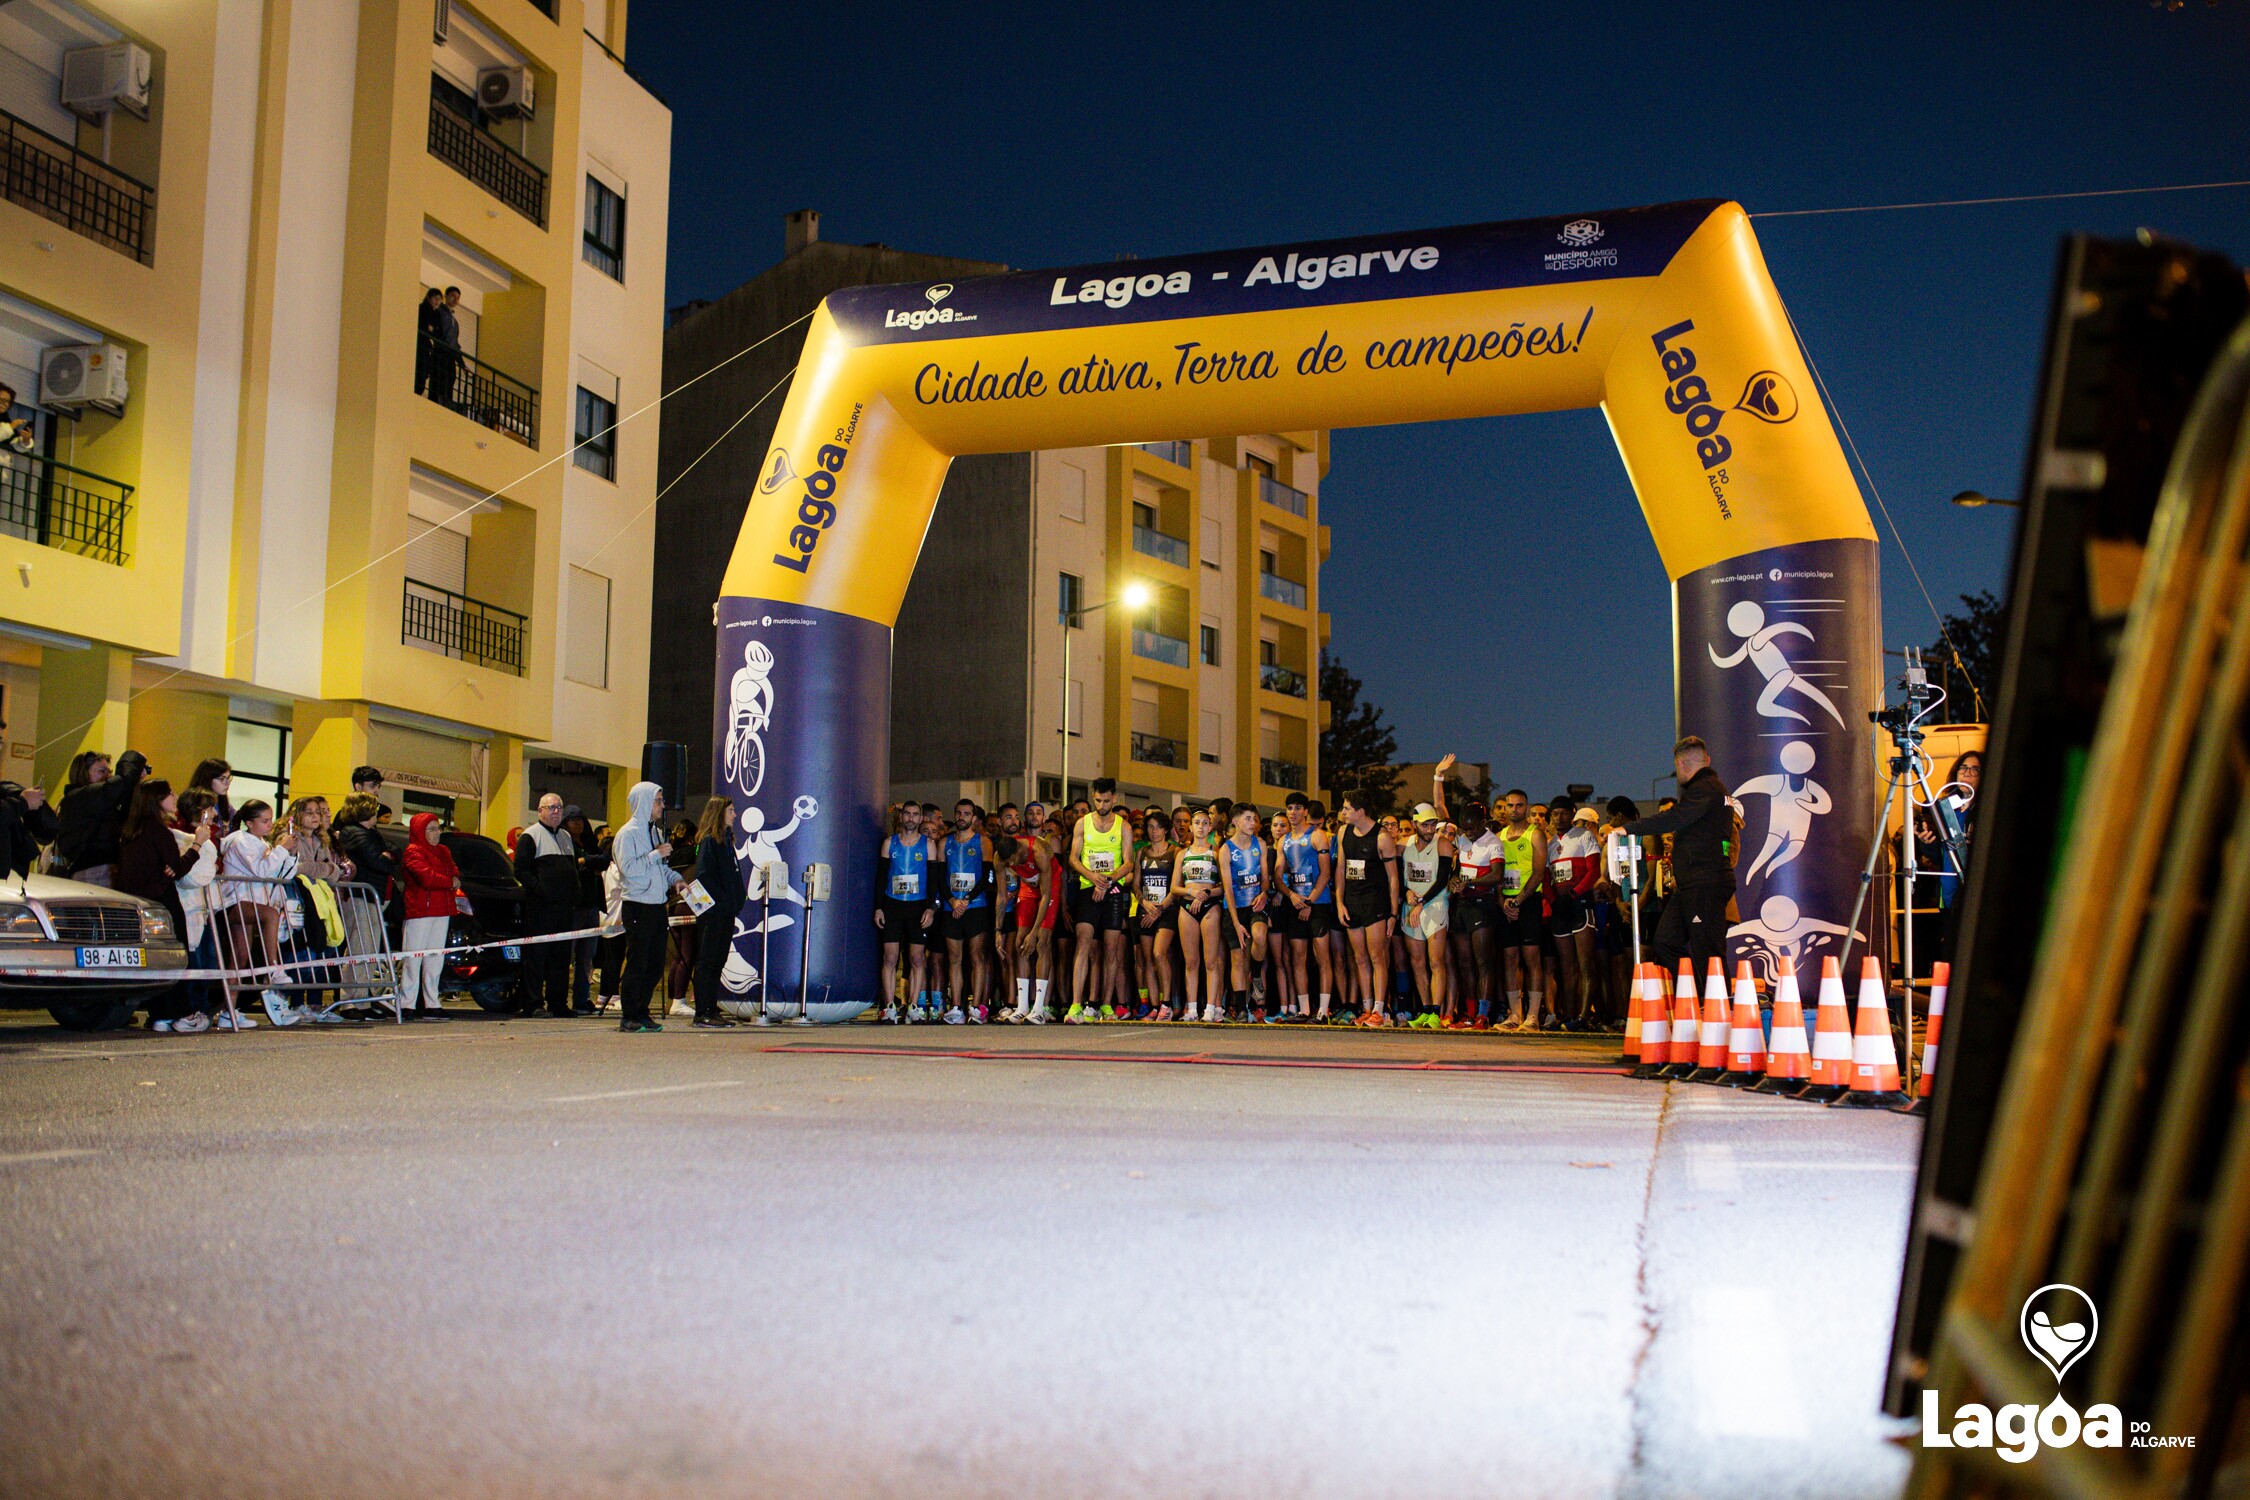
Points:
(1209, 690)
(310, 532)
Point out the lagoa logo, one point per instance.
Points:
(778, 473)
(2058, 1323)
(939, 293)
(923, 317)
(1768, 397)
(1580, 232)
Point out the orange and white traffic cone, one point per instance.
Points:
(1832, 1040)
(1941, 975)
(1656, 1027)
(1711, 1038)
(1789, 1059)
(1632, 1055)
(1874, 1077)
(1746, 1039)
(1687, 1024)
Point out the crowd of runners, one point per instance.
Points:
(1460, 917)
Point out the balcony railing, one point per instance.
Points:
(1282, 590)
(488, 162)
(68, 509)
(477, 391)
(1282, 773)
(1180, 452)
(1156, 750)
(1274, 492)
(463, 628)
(1275, 678)
(1156, 544)
(82, 193)
(1162, 648)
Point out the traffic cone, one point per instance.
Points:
(1711, 1041)
(1687, 1024)
(1656, 1027)
(1789, 1063)
(1832, 1040)
(1874, 1075)
(1632, 1054)
(1941, 975)
(1746, 1039)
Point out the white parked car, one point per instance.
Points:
(89, 955)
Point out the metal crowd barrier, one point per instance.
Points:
(259, 923)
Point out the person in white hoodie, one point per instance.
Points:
(250, 872)
(639, 857)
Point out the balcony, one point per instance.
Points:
(1274, 492)
(1164, 548)
(86, 196)
(1156, 750)
(1282, 590)
(477, 391)
(68, 509)
(1181, 453)
(1163, 648)
(1282, 773)
(1275, 678)
(463, 628)
(485, 160)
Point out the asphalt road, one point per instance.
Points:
(540, 1258)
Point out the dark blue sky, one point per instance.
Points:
(1055, 135)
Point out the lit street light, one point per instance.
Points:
(1136, 596)
(1971, 499)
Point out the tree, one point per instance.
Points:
(1976, 629)
(1357, 747)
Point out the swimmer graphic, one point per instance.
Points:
(1793, 800)
(1748, 621)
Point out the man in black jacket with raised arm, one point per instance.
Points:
(546, 863)
(1694, 924)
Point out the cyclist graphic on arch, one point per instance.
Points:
(1748, 621)
(749, 711)
(1793, 800)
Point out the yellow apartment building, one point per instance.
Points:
(299, 531)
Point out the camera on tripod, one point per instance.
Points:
(1903, 720)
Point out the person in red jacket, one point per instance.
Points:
(427, 872)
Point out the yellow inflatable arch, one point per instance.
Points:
(1664, 317)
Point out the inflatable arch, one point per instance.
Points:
(1664, 317)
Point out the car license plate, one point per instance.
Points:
(512, 953)
(109, 958)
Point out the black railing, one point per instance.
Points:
(1156, 750)
(82, 193)
(487, 161)
(1279, 679)
(1281, 773)
(461, 627)
(476, 390)
(68, 509)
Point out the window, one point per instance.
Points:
(604, 247)
(1261, 465)
(586, 629)
(1069, 599)
(596, 435)
(1071, 497)
(1210, 645)
(259, 754)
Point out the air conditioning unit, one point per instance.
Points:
(95, 78)
(504, 91)
(74, 377)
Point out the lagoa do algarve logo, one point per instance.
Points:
(2059, 1324)
(923, 317)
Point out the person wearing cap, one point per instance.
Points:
(1473, 922)
(1427, 864)
(1574, 859)
(1694, 923)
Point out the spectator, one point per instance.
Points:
(357, 842)
(679, 929)
(721, 878)
(195, 827)
(445, 354)
(251, 871)
(26, 822)
(92, 820)
(645, 878)
(150, 865)
(429, 327)
(427, 871)
(586, 912)
(546, 859)
(366, 782)
(1694, 921)
(215, 776)
(305, 835)
(17, 434)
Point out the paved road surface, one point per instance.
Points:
(539, 1258)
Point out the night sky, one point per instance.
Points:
(1035, 136)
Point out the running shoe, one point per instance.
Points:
(160, 1027)
(978, 1014)
(278, 1009)
(890, 1015)
(1075, 1016)
(640, 1026)
(1481, 1023)
(236, 1022)
(1109, 1012)
(1163, 1013)
(193, 1022)
(1040, 1017)
(954, 1017)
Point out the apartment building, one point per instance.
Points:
(302, 532)
(1209, 689)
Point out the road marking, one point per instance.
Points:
(1743, 1373)
(670, 1088)
(1829, 1166)
(1714, 1169)
(21, 1157)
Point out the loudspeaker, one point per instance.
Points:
(665, 763)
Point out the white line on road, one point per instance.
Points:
(21, 1157)
(1713, 1168)
(1743, 1378)
(670, 1088)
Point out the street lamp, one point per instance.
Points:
(1135, 597)
(1971, 499)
